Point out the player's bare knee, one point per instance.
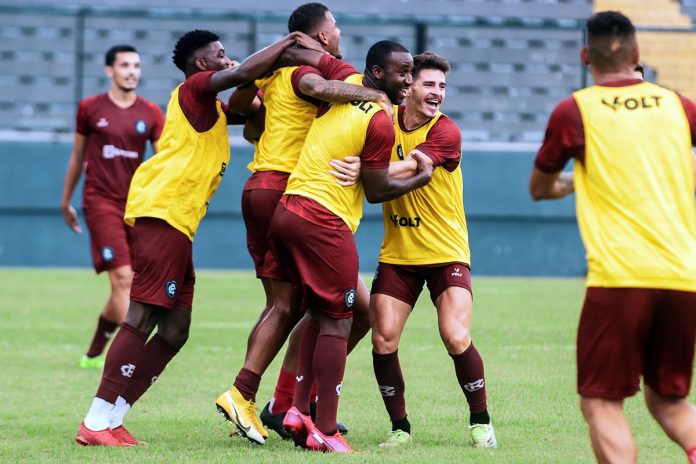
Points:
(383, 343)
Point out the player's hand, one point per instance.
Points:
(346, 171)
(386, 105)
(424, 166)
(70, 216)
(305, 41)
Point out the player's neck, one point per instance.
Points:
(122, 98)
(600, 78)
(414, 119)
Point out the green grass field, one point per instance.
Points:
(524, 328)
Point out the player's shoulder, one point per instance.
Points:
(445, 124)
(94, 100)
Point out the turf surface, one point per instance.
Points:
(524, 328)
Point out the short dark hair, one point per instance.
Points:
(189, 43)
(378, 53)
(110, 55)
(307, 18)
(429, 60)
(605, 30)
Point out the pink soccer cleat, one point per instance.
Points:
(87, 437)
(297, 425)
(317, 441)
(124, 435)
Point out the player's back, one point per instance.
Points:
(635, 188)
(336, 133)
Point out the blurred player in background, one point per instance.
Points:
(312, 235)
(291, 95)
(168, 197)
(634, 181)
(111, 134)
(426, 241)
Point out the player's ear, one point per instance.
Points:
(109, 71)
(377, 72)
(584, 56)
(322, 38)
(200, 63)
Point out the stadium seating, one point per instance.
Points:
(512, 59)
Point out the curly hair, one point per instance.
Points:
(189, 43)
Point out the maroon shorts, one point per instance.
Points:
(162, 265)
(257, 209)
(110, 237)
(322, 262)
(628, 332)
(406, 282)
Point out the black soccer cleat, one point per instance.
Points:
(274, 421)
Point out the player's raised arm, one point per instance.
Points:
(254, 66)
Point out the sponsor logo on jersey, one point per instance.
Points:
(404, 221)
(299, 378)
(102, 122)
(140, 126)
(127, 370)
(633, 103)
(386, 390)
(107, 254)
(339, 387)
(400, 152)
(170, 288)
(475, 385)
(349, 297)
(223, 168)
(111, 152)
(456, 272)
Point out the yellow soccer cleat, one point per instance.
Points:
(242, 413)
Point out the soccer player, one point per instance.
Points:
(312, 235)
(111, 134)
(426, 241)
(291, 95)
(634, 182)
(168, 197)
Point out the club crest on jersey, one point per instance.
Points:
(107, 254)
(400, 152)
(349, 297)
(140, 126)
(170, 288)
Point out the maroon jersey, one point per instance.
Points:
(116, 141)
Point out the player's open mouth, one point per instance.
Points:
(433, 102)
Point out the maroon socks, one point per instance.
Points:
(329, 366)
(391, 383)
(105, 330)
(284, 390)
(154, 358)
(247, 382)
(120, 362)
(469, 369)
(305, 375)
